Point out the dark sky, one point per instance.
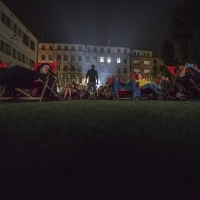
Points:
(139, 24)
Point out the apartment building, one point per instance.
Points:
(76, 59)
(142, 60)
(17, 44)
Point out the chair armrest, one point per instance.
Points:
(185, 77)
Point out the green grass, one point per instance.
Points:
(100, 149)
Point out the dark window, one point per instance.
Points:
(118, 70)
(5, 48)
(58, 57)
(80, 58)
(25, 39)
(32, 45)
(6, 20)
(65, 57)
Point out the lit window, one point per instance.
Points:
(146, 62)
(118, 60)
(101, 59)
(147, 71)
(108, 59)
(136, 62)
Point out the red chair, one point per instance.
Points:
(186, 83)
(145, 93)
(122, 94)
(42, 91)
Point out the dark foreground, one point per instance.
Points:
(100, 150)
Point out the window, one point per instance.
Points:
(118, 60)
(94, 58)
(87, 59)
(87, 49)
(66, 48)
(118, 51)
(58, 57)
(6, 20)
(118, 70)
(101, 59)
(73, 58)
(135, 62)
(32, 45)
(108, 50)
(108, 59)
(50, 48)
(14, 53)
(125, 60)
(50, 57)
(73, 68)
(43, 47)
(125, 51)
(5, 48)
(80, 48)
(42, 57)
(19, 55)
(25, 39)
(146, 62)
(125, 70)
(79, 58)
(95, 49)
(15, 28)
(65, 68)
(65, 57)
(59, 48)
(147, 71)
(136, 53)
(136, 70)
(73, 48)
(102, 50)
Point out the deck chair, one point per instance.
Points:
(144, 93)
(37, 90)
(122, 94)
(186, 84)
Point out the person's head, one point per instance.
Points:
(139, 75)
(92, 66)
(43, 68)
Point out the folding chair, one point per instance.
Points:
(144, 93)
(37, 90)
(185, 83)
(122, 94)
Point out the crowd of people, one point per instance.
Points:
(109, 90)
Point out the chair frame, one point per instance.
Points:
(36, 84)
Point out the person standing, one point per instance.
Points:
(93, 80)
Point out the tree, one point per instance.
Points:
(167, 52)
(184, 31)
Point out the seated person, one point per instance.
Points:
(121, 86)
(181, 72)
(18, 73)
(145, 84)
(68, 90)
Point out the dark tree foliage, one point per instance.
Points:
(184, 30)
(167, 53)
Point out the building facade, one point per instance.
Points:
(142, 60)
(76, 59)
(17, 44)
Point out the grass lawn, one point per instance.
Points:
(100, 150)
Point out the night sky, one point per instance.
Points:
(139, 24)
